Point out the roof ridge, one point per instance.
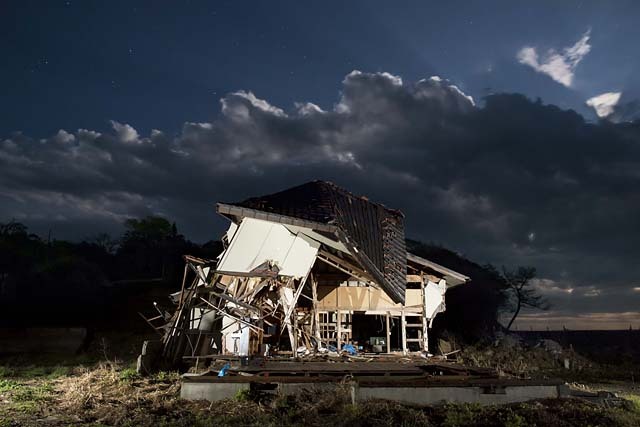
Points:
(346, 192)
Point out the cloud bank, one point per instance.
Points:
(560, 66)
(512, 182)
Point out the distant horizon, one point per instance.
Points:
(593, 322)
(576, 330)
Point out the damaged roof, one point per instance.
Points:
(453, 277)
(373, 233)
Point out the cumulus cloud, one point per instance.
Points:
(512, 182)
(63, 137)
(125, 132)
(238, 106)
(560, 66)
(308, 108)
(604, 103)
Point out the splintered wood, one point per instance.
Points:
(221, 314)
(262, 313)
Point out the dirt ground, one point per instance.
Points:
(101, 388)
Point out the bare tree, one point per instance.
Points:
(521, 291)
(105, 241)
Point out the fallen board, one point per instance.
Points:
(360, 369)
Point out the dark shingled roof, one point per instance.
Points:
(376, 232)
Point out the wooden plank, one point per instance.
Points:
(236, 302)
(414, 278)
(316, 316)
(184, 280)
(151, 324)
(345, 266)
(293, 367)
(403, 327)
(425, 321)
(338, 329)
(224, 313)
(388, 333)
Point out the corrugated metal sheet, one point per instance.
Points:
(373, 233)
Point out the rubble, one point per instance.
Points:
(313, 269)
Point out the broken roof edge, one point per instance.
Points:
(228, 210)
(348, 193)
(459, 278)
(327, 185)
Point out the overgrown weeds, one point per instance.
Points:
(111, 394)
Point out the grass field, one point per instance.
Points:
(96, 389)
(113, 394)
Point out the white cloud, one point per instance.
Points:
(88, 134)
(64, 137)
(461, 93)
(548, 286)
(308, 108)
(439, 88)
(560, 66)
(125, 132)
(238, 106)
(592, 291)
(396, 80)
(604, 103)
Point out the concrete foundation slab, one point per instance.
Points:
(211, 391)
(435, 395)
(214, 389)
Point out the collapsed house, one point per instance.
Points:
(310, 269)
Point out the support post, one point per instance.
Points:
(184, 280)
(403, 326)
(295, 333)
(388, 333)
(316, 317)
(425, 321)
(338, 329)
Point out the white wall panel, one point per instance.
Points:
(257, 241)
(434, 295)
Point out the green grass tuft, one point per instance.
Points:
(8, 385)
(129, 374)
(33, 393)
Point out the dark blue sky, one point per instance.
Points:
(78, 64)
(111, 110)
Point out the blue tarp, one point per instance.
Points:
(224, 370)
(349, 348)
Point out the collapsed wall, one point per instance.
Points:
(294, 285)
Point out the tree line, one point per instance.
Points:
(105, 281)
(58, 282)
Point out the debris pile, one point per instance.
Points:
(311, 271)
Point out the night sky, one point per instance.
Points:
(504, 130)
